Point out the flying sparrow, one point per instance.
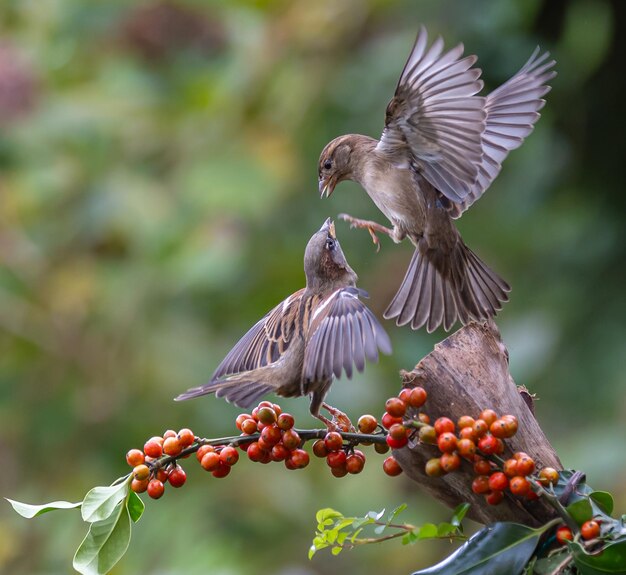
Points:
(441, 148)
(306, 340)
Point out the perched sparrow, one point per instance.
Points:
(312, 336)
(441, 148)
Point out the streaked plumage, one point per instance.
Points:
(308, 339)
(441, 148)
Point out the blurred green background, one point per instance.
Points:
(157, 188)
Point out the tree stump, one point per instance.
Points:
(464, 374)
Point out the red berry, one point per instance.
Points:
(480, 428)
(391, 466)
(277, 409)
(367, 424)
(548, 476)
(494, 497)
(423, 417)
(388, 420)
(139, 486)
(418, 397)
(285, 421)
(520, 454)
(511, 424)
(333, 441)
(450, 462)
(291, 439)
(564, 534)
(221, 471)
(186, 437)
(499, 428)
(210, 461)
(267, 415)
(229, 455)
(381, 448)
(519, 486)
(396, 443)
(510, 468)
(300, 458)
(254, 452)
(264, 445)
(499, 446)
(488, 416)
(240, 419)
(446, 442)
(427, 434)
(498, 481)
(488, 444)
(336, 459)
(405, 394)
(465, 421)
(319, 448)
(171, 446)
(177, 477)
(271, 435)
(155, 489)
(482, 466)
(153, 448)
(249, 426)
(433, 467)
(590, 529)
(162, 475)
(525, 466)
(531, 495)
(279, 452)
(354, 464)
(339, 471)
(203, 450)
(466, 448)
(397, 431)
(135, 457)
(395, 407)
(141, 472)
(480, 484)
(467, 433)
(444, 425)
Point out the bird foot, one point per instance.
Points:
(371, 227)
(340, 421)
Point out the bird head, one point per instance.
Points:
(324, 262)
(334, 164)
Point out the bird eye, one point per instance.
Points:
(328, 165)
(330, 243)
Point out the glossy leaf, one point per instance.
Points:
(604, 500)
(101, 502)
(135, 506)
(105, 544)
(501, 548)
(29, 511)
(580, 510)
(610, 560)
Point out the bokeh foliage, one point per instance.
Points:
(157, 189)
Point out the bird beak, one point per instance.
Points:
(329, 226)
(327, 186)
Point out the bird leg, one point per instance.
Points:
(340, 421)
(371, 227)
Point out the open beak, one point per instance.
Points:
(329, 226)
(327, 186)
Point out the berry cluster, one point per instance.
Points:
(150, 476)
(588, 530)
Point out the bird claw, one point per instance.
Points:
(371, 227)
(340, 421)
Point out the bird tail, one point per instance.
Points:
(238, 389)
(440, 290)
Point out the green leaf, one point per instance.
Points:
(135, 506)
(101, 502)
(604, 500)
(29, 511)
(396, 512)
(501, 548)
(459, 514)
(427, 531)
(336, 550)
(612, 559)
(105, 544)
(547, 565)
(445, 529)
(580, 510)
(409, 538)
(326, 516)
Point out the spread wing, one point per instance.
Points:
(435, 119)
(344, 333)
(512, 110)
(266, 341)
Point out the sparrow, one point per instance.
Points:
(441, 148)
(307, 340)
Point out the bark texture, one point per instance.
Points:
(464, 374)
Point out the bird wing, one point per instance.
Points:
(435, 120)
(343, 333)
(266, 341)
(512, 110)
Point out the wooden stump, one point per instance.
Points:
(466, 373)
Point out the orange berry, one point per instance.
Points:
(186, 437)
(153, 448)
(418, 397)
(388, 420)
(447, 442)
(203, 450)
(367, 424)
(395, 407)
(141, 472)
(519, 486)
(510, 468)
(465, 421)
(494, 497)
(480, 484)
(480, 428)
(171, 446)
(139, 486)
(590, 529)
(450, 462)
(481, 466)
(525, 466)
(444, 425)
(135, 457)
(488, 416)
(210, 461)
(466, 448)
(548, 476)
(564, 534)
(498, 481)
(434, 468)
